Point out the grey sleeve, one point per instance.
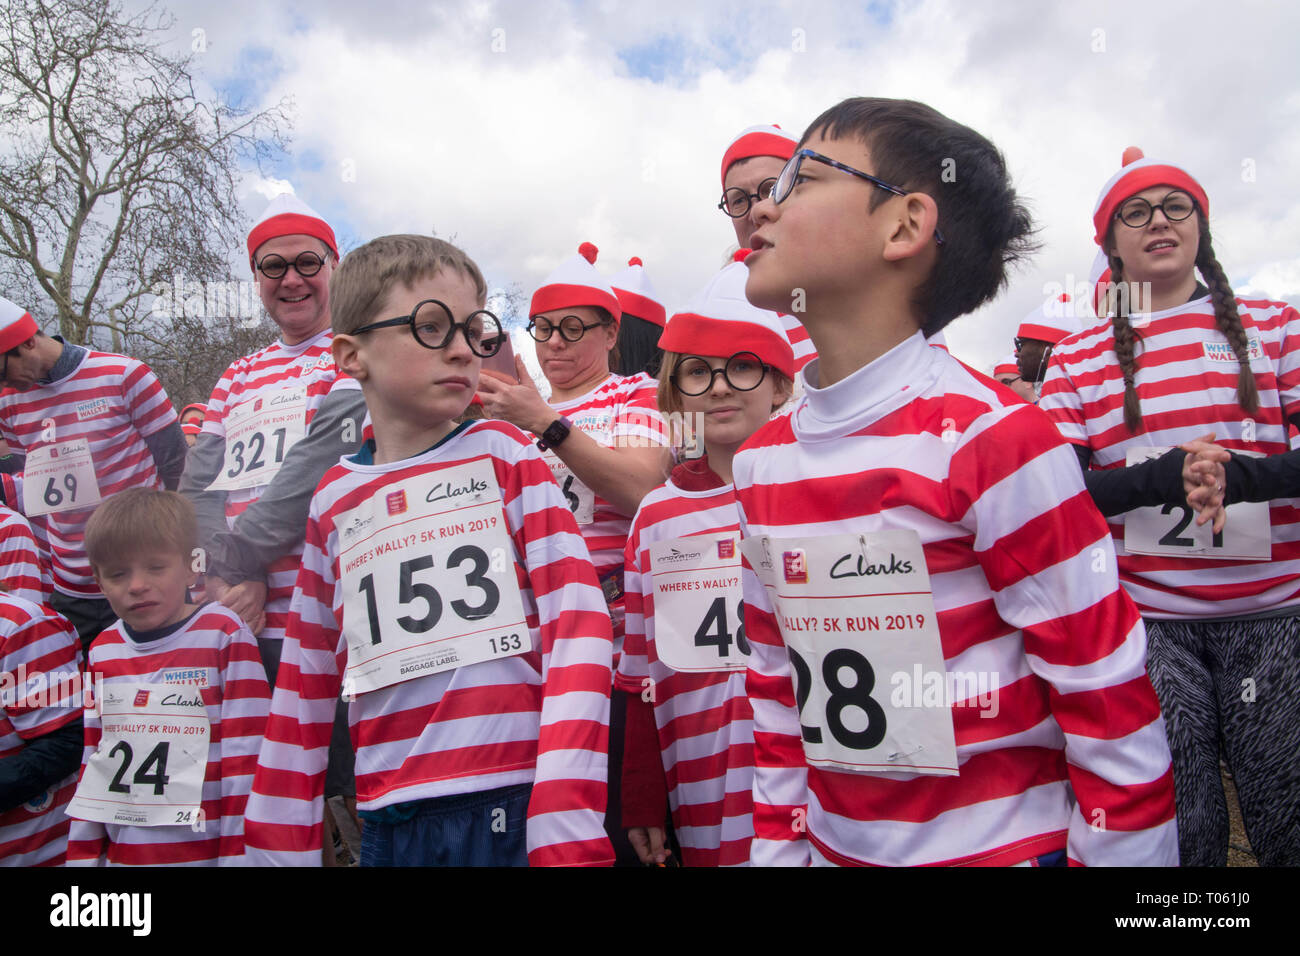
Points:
(275, 523)
(167, 445)
(201, 468)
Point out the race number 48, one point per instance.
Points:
(713, 631)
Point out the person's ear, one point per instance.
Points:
(346, 350)
(915, 221)
(781, 393)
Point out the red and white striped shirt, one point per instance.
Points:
(39, 693)
(1025, 592)
(23, 571)
(622, 410)
(114, 402)
(706, 726)
(261, 375)
(1187, 384)
(215, 653)
(540, 718)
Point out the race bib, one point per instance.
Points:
(858, 620)
(59, 477)
(1172, 530)
(580, 499)
(699, 611)
(428, 578)
(151, 761)
(259, 433)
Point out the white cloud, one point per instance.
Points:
(553, 139)
(269, 188)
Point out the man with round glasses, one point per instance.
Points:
(277, 420)
(274, 424)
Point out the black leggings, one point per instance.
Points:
(1231, 685)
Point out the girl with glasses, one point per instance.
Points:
(1181, 361)
(690, 738)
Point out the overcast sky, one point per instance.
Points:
(526, 128)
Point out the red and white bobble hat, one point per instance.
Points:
(576, 282)
(1136, 174)
(16, 325)
(758, 141)
(1051, 322)
(719, 322)
(287, 215)
(1007, 366)
(636, 295)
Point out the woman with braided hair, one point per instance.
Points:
(1178, 365)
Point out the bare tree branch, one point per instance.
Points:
(116, 175)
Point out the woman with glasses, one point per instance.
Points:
(1177, 364)
(690, 740)
(601, 434)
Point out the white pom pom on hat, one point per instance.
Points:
(1051, 322)
(16, 325)
(719, 322)
(287, 215)
(758, 141)
(636, 296)
(1136, 174)
(576, 282)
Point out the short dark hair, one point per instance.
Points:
(638, 347)
(985, 225)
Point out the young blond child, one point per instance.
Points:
(181, 700)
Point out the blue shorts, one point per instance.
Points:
(467, 829)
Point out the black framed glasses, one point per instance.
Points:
(1137, 212)
(571, 328)
(693, 375)
(1020, 341)
(735, 201)
(432, 325)
(306, 264)
(789, 177)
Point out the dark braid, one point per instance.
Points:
(1125, 342)
(1227, 317)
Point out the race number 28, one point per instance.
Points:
(841, 697)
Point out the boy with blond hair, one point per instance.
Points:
(446, 590)
(181, 700)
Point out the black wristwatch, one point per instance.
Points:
(555, 433)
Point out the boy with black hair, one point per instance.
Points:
(941, 650)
